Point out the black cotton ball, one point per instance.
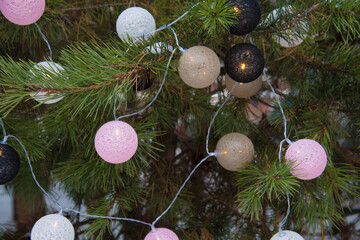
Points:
(144, 81)
(248, 16)
(9, 163)
(244, 62)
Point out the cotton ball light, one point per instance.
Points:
(116, 142)
(161, 234)
(43, 96)
(244, 62)
(309, 158)
(9, 163)
(292, 35)
(199, 67)
(234, 150)
(53, 226)
(243, 90)
(287, 235)
(134, 22)
(159, 47)
(22, 12)
(248, 16)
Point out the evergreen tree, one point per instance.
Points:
(320, 101)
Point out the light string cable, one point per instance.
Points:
(45, 39)
(199, 164)
(62, 209)
(4, 131)
(167, 67)
(217, 112)
(277, 97)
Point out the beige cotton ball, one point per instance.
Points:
(234, 150)
(199, 67)
(243, 90)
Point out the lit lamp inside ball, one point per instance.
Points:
(309, 159)
(234, 151)
(199, 67)
(53, 226)
(161, 234)
(244, 62)
(116, 142)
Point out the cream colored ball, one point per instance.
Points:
(199, 67)
(243, 90)
(234, 150)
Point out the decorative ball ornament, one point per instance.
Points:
(134, 22)
(22, 12)
(116, 142)
(291, 36)
(248, 16)
(43, 96)
(287, 235)
(244, 62)
(199, 67)
(144, 80)
(309, 158)
(9, 163)
(53, 226)
(243, 90)
(161, 234)
(234, 150)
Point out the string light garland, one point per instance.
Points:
(235, 144)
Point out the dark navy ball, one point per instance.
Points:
(9, 163)
(244, 62)
(144, 81)
(248, 16)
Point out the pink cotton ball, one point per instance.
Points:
(116, 142)
(22, 12)
(161, 234)
(309, 158)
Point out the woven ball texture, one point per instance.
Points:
(244, 62)
(248, 16)
(9, 163)
(22, 12)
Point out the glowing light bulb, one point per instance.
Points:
(243, 66)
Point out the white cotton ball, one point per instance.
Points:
(134, 22)
(159, 47)
(54, 227)
(291, 36)
(42, 96)
(287, 235)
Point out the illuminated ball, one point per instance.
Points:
(199, 67)
(43, 96)
(53, 226)
(292, 35)
(133, 23)
(22, 12)
(248, 16)
(243, 90)
(234, 150)
(244, 62)
(309, 158)
(287, 235)
(161, 234)
(143, 80)
(9, 163)
(116, 142)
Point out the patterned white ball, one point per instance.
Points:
(287, 235)
(53, 226)
(43, 96)
(133, 23)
